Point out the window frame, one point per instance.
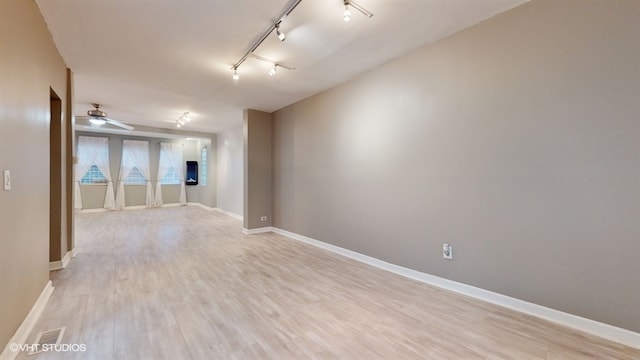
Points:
(204, 167)
(90, 171)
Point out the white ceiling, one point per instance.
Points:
(148, 61)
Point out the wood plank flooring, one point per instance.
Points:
(184, 283)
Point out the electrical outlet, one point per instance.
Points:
(7, 180)
(447, 251)
(263, 218)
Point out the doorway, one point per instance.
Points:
(57, 244)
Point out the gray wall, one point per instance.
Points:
(230, 170)
(257, 194)
(515, 140)
(205, 194)
(29, 66)
(135, 195)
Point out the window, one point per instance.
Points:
(92, 167)
(170, 178)
(135, 178)
(170, 171)
(134, 170)
(203, 166)
(93, 176)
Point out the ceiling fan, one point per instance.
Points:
(98, 117)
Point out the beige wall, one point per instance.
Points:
(257, 169)
(516, 141)
(135, 195)
(230, 170)
(29, 66)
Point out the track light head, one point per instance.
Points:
(235, 74)
(346, 15)
(272, 71)
(280, 34)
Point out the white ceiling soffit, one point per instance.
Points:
(149, 61)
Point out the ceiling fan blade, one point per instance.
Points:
(119, 124)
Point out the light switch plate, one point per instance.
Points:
(7, 179)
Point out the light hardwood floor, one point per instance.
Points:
(184, 283)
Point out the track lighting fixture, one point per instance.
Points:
(280, 34)
(347, 14)
(259, 40)
(275, 25)
(183, 119)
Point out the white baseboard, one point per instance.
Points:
(136, 207)
(88, 211)
(257, 230)
(170, 205)
(58, 265)
(208, 208)
(229, 213)
(606, 331)
(22, 334)
(139, 207)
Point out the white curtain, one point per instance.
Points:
(170, 157)
(135, 154)
(93, 151)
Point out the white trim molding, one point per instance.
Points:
(171, 205)
(257, 230)
(58, 265)
(88, 211)
(606, 331)
(229, 213)
(208, 208)
(22, 334)
(137, 207)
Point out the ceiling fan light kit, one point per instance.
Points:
(97, 121)
(282, 37)
(97, 117)
(97, 113)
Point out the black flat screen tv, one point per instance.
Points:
(192, 173)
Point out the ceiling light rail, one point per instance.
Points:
(347, 14)
(183, 119)
(274, 26)
(274, 63)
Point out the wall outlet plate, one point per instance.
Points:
(447, 251)
(263, 218)
(6, 174)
